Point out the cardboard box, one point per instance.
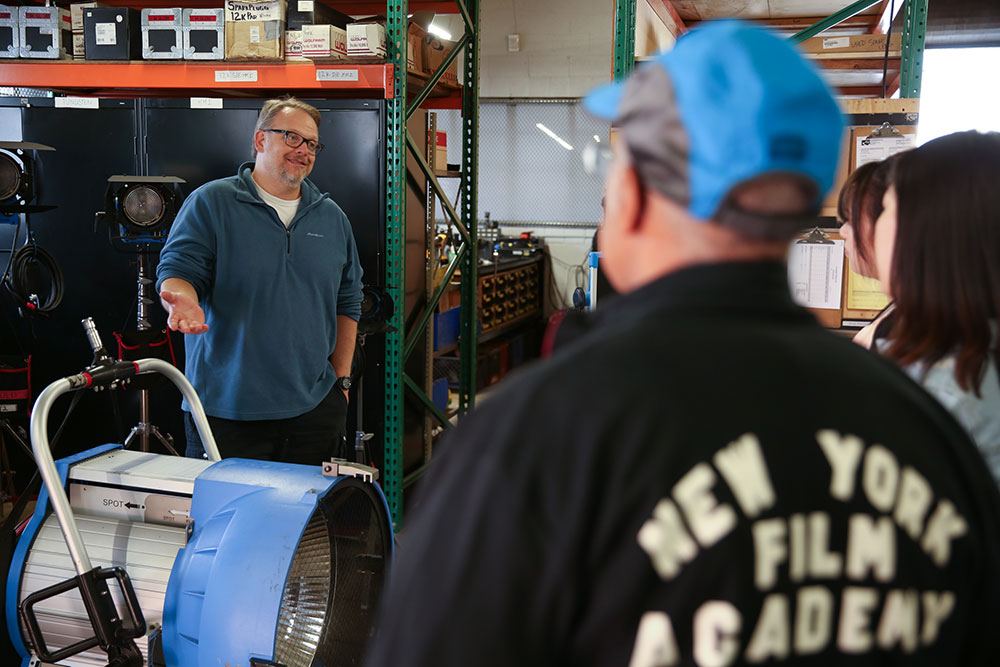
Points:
(10, 38)
(441, 151)
(112, 33)
(255, 30)
(324, 41)
(853, 45)
(366, 40)
(434, 52)
(204, 34)
(162, 34)
(44, 32)
(312, 12)
(293, 46)
(76, 13)
(79, 46)
(415, 48)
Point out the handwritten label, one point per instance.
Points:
(235, 75)
(253, 11)
(206, 103)
(336, 75)
(77, 102)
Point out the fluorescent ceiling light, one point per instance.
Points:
(597, 139)
(555, 137)
(439, 31)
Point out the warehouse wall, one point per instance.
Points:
(565, 51)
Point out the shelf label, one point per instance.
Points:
(305, 6)
(230, 75)
(206, 102)
(77, 102)
(336, 75)
(836, 42)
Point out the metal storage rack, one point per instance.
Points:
(400, 343)
(914, 32)
(389, 80)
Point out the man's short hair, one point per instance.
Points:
(729, 104)
(273, 107)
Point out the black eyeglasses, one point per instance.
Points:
(294, 140)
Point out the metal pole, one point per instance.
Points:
(624, 61)
(395, 262)
(914, 33)
(469, 314)
(833, 19)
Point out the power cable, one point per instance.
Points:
(888, 38)
(31, 268)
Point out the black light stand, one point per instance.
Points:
(139, 212)
(145, 430)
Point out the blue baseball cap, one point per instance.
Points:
(729, 103)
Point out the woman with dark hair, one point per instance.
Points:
(858, 207)
(937, 254)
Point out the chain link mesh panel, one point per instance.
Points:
(528, 174)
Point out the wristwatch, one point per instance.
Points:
(344, 382)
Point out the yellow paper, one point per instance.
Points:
(864, 293)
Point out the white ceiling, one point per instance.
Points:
(695, 10)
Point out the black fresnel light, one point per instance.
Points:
(18, 177)
(140, 209)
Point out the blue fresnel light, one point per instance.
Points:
(217, 562)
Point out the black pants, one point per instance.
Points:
(310, 439)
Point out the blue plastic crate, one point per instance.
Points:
(445, 328)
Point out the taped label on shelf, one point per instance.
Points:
(206, 102)
(77, 102)
(836, 42)
(305, 5)
(235, 75)
(337, 75)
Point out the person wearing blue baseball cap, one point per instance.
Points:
(707, 476)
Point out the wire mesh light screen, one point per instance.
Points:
(328, 612)
(530, 164)
(307, 596)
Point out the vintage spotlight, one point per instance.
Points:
(17, 177)
(140, 209)
(227, 562)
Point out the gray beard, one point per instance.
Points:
(288, 179)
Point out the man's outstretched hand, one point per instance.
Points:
(183, 313)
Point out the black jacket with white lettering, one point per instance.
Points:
(584, 515)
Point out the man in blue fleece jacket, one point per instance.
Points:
(261, 274)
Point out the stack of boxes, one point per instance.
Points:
(240, 31)
(315, 32)
(76, 20)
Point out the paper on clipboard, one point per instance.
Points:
(815, 273)
(874, 149)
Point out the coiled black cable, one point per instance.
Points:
(31, 267)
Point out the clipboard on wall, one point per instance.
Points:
(862, 298)
(816, 265)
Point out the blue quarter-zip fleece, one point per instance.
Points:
(271, 296)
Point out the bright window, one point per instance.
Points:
(959, 91)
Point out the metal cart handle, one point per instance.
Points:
(40, 436)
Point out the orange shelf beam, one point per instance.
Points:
(362, 79)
